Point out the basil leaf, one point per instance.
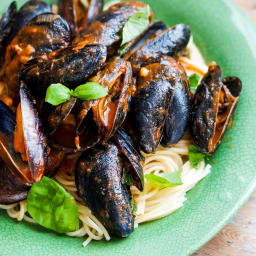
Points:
(110, 3)
(186, 53)
(51, 206)
(128, 180)
(134, 207)
(195, 156)
(165, 180)
(194, 81)
(90, 91)
(57, 94)
(122, 50)
(135, 25)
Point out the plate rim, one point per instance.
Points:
(242, 200)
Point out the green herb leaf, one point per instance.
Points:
(135, 25)
(195, 156)
(122, 50)
(134, 207)
(194, 81)
(164, 180)
(57, 94)
(52, 206)
(110, 3)
(128, 180)
(186, 53)
(90, 91)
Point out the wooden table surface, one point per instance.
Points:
(238, 238)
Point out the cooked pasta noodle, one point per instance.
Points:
(154, 202)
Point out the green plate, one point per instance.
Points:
(226, 35)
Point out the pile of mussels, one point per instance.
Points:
(148, 102)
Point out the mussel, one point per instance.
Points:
(6, 24)
(168, 43)
(55, 158)
(153, 31)
(111, 111)
(22, 145)
(73, 11)
(12, 190)
(95, 8)
(28, 12)
(213, 106)
(99, 183)
(58, 114)
(12, 20)
(34, 138)
(150, 105)
(106, 27)
(11, 158)
(95, 120)
(71, 66)
(132, 157)
(43, 35)
(178, 116)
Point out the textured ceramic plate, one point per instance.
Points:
(225, 35)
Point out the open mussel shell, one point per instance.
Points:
(99, 182)
(35, 141)
(73, 11)
(12, 190)
(168, 43)
(28, 12)
(106, 27)
(58, 114)
(43, 35)
(95, 120)
(150, 105)
(6, 25)
(179, 111)
(213, 106)
(54, 160)
(95, 8)
(83, 110)
(12, 20)
(132, 157)
(71, 66)
(12, 159)
(66, 138)
(112, 110)
(151, 32)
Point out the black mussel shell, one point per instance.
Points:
(12, 190)
(132, 157)
(168, 43)
(106, 27)
(6, 25)
(213, 106)
(179, 111)
(151, 32)
(41, 36)
(28, 12)
(73, 12)
(99, 183)
(71, 66)
(35, 141)
(58, 114)
(150, 105)
(112, 110)
(12, 20)
(54, 159)
(11, 159)
(95, 8)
